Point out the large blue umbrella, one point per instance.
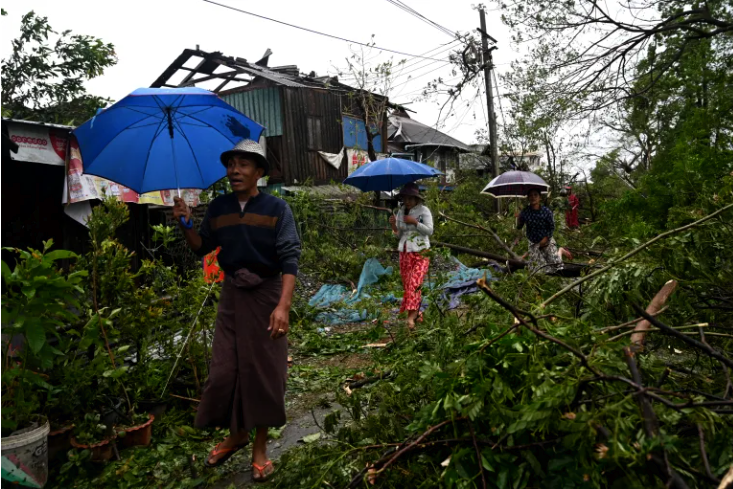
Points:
(163, 138)
(388, 174)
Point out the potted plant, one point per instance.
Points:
(38, 300)
(136, 430)
(90, 434)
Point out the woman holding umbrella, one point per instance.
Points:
(413, 225)
(540, 227)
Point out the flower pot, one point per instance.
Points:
(102, 451)
(25, 456)
(155, 407)
(137, 436)
(59, 441)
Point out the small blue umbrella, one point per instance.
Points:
(163, 138)
(388, 174)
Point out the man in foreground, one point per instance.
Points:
(259, 255)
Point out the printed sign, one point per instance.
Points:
(38, 143)
(357, 158)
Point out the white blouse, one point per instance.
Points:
(415, 237)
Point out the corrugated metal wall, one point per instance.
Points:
(262, 105)
(300, 163)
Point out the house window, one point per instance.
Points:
(315, 135)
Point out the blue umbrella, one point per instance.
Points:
(163, 138)
(388, 174)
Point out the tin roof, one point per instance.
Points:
(403, 129)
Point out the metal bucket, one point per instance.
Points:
(25, 456)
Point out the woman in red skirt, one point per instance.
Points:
(413, 225)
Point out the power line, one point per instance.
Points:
(399, 68)
(498, 97)
(312, 31)
(483, 109)
(401, 5)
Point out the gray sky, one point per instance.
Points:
(148, 35)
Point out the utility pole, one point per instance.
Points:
(488, 63)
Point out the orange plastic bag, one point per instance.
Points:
(212, 272)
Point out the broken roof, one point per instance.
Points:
(216, 71)
(403, 129)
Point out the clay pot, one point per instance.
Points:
(102, 451)
(155, 407)
(137, 436)
(59, 441)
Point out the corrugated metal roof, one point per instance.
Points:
(402, 129)
(280, 78)
(36, 123)
(263, 106)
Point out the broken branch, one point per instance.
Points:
(487, 230)
(631, 253)
(639, 335)
(681, 336)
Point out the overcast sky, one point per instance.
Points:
(149, 34)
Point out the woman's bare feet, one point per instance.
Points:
(411, 317)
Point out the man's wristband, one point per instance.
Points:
(187, 224)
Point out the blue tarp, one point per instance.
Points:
(459, 282)
(332, 294)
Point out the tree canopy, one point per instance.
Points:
(43, 79)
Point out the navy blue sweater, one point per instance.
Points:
(261, 239)
(540, 223)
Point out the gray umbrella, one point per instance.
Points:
(515, 184)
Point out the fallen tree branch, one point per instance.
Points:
(515, 264)
(488, 291)
(651, 426)
(727, 482)
(629, 323)
(632, 332)
(704, 455)
(412, 445)
(368, 380)
(728, 384)
(631, 253)
(478, 455)
(639, 335)
(487, 230)
(681, 336)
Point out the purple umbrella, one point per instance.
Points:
(515, 184)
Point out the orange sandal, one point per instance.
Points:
(227, 451)
(261, 469)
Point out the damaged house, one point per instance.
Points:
(414, 140)
(314, 128)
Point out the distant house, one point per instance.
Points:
(479, 159)
(419, 142)
(313, 128)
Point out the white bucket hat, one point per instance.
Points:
(249, 148)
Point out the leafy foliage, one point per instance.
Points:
(44, 80)
(37, 301)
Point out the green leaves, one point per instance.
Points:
(36, 334)
(42, 80)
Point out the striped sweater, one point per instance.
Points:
(261, 238)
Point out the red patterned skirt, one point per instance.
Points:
(413, 267)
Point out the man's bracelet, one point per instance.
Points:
(187, 224)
